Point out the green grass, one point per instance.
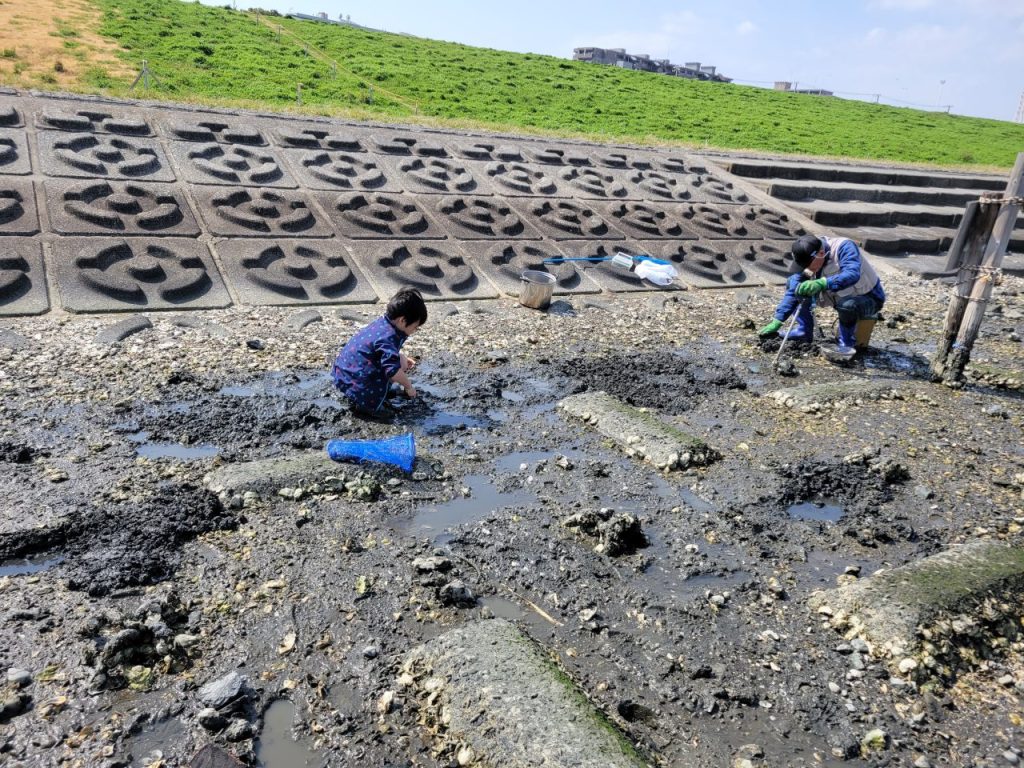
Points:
(217, 55)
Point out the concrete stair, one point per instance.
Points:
(894, 213)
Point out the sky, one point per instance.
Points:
(964, 54)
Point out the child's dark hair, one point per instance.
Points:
(408, 304)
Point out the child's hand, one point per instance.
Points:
(407, 363)
(410, 391)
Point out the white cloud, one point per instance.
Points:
(900, 5)
(746, 28)
(876, 36)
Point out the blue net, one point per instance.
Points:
(397, 451)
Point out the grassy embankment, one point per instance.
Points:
(216, 55)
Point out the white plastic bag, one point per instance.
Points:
(659, 274)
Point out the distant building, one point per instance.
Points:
(783, 85)
(617, 57)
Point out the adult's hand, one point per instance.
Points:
(772, 327)
(811, 287)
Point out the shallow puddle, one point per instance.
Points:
(664, 578)
(816, 510)
(172, 450)
(276, 748)
(484, 498)
(23, 566)
(156, 741)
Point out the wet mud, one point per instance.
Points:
(676, 602)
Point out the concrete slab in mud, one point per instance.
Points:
(22, 279)
(489, 690)
(889, 607)
(639, 433)
(272, 473)
(286, 272)
(813, 397)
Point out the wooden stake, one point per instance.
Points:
(981, 290)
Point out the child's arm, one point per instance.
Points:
(403, 378)
(408, 363)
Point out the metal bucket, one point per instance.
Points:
(536, 289)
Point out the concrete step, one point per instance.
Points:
(857, 214)
(905, 239)
(842, 191)
(851, 174)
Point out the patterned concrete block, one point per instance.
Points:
(239, 211)
(481, 218)
(504, 264)
(18, 214)
(437, 175)
(486, 151)
(695, 187)
(556, 155)
(10, 115)
(321, 137)
(710, 263)
(640, 219)
(213, 131)
(132, 274)
(93, 121)
(518, 179)
(293, 272)
(567, 219)
(680, 164)
(605, 274)
(770, 223)
(22, 278)
(341, 170)
(587, 183)
(113, 157)
(118, 207)
(212, 163)
(613, 158)
(405, 145)
(719, 223)
(358, 216)
(439, 270)
(14, 157)
(709, 189)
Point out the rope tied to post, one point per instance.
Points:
(992, 198)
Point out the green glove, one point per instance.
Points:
(771, 328)
(812, 287)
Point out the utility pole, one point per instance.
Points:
(1020, 110)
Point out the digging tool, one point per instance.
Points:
(785, 338)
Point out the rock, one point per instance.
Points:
(1011, 757)
(923, 492)
(1007, 681)
(122, 330)
(255, 344)
(238, 729)
(223, 691)
(907, 665)
(922, 762)
(211, 720)
(19, 678)
(185, 641)
(996, 411)
(457, 594)
(370, 652)
(306, 317)
(430, 564)
(13, 705)
(874, 740)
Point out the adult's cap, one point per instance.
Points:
(804, 248)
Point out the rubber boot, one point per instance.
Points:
(803, 328)
(846, 348)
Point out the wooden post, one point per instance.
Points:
(966, 253)
(981, 290)
(298, 94)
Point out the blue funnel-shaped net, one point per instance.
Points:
(397, 451)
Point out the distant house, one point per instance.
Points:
(783, 85)
(617, 57)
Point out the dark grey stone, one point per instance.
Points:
(504, 264)
(439, 270)
(91, 155)
(92, 121)
(221, 692)
(341, 170)
(374, 215)
(124, 274)
(287, 272)
(22, 278)
(241, 212)
(17, 207)
(122, 330)
(14, 156)
(118, 207)
(215, 163)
